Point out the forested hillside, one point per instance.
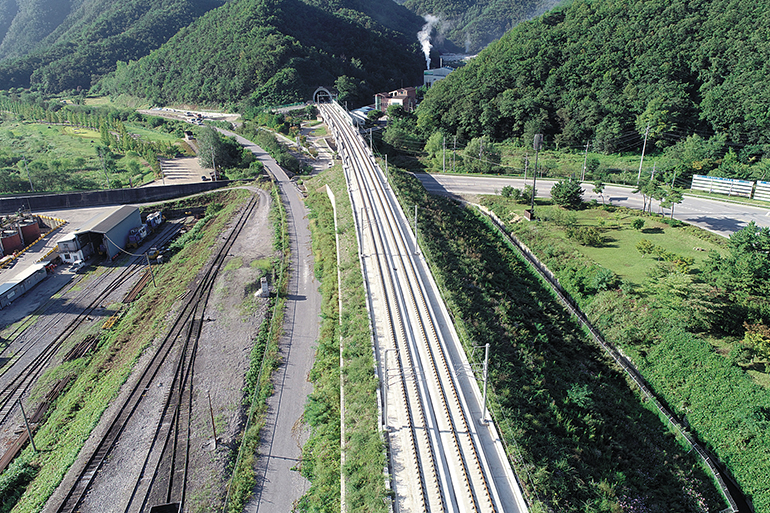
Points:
(58, 45)
(605, 71)
(470, 25)
(278, 51)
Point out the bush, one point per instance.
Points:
(567, 193)
(586, 235)
(637, 224)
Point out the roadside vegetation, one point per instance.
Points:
(62, 147)
(364, 449)
(262, 125)
(577, 434)
(690, 308)
(95, 379)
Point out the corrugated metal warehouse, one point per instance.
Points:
(113, 227)
(24, 281)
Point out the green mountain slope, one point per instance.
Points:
(278, 51)
(470, 25)
(604, 71)
(56, 45)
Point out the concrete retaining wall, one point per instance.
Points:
(151, 194)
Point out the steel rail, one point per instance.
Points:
(427, 347)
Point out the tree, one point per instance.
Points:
(567, 193)
(672, 196)
(645, 247)
(481, 156)
(209, 148)
(599, 189)
(757, 338)
(637, 224)
(743, 273)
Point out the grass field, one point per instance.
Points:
(54, 151)
(618, 253)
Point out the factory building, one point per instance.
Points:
(431, 76)
(107, 233)
(406, 97)
(77, 246)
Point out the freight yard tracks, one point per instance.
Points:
(35, 349)
(163, 478)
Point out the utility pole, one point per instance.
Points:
(104, 168)
(415, 224)
(652, 176)
(585, 162)
(486, 368)
(211, 413)
(26, 423)
(386, 167)
(538, 142)
(526, 165)
(444, 155)
(454, 153)
(162, 174)
(370, 140)
(150, 268)
(28, 177)
(644, 147)
(213, 164)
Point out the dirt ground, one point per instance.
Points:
(231, 323)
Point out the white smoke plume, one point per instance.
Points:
(424, 36)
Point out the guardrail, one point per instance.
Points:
(614, 353)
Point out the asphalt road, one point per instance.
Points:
(721, 217)
(279, 486)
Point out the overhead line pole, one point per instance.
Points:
(644, 147)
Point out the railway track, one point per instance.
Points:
(24, 369)
(441, 442)
(163, 478)
(441, 435)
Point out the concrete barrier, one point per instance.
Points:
(37, 202)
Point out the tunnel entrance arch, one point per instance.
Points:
(322, 95)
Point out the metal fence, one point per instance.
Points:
(731, 187)
(614, 353)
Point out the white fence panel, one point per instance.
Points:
(728, 186)
(763, 191)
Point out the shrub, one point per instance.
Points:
(567, 193)
(585, 235)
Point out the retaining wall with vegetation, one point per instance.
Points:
(37, 202)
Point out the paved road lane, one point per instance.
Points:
(719, 217)
(278, 485)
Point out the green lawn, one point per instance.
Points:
(619, 252)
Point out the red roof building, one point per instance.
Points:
(406, 97)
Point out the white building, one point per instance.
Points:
(429, 76)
